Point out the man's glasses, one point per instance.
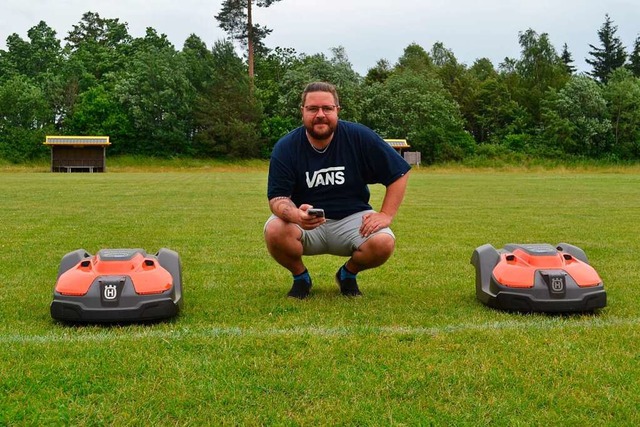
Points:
(326, 109)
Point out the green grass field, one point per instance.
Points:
(416, 349)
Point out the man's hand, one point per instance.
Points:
(373, 222)
(376, 221)
(286, 210)
(306, 221)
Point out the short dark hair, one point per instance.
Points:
(320, 87)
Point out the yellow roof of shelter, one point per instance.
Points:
(76, 140)
(397, 143)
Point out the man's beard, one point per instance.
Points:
(321, 136)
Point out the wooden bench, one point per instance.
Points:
(68, 168)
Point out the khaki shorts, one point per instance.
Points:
(336, 236)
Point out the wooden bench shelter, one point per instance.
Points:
(412, 157)
(78, 153)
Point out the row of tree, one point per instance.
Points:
(152, 99)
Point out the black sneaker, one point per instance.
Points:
(300, 289)
(348, 287)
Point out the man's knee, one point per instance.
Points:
(277, 230)
(381, 245)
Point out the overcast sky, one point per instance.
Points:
(369, 30)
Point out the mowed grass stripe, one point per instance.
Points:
(107, 335)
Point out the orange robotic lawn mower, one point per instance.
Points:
(118, 285)
(537, 278)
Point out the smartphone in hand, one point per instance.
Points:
(317, 212)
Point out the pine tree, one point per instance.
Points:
(567, 58)
(634, 58)
(236, 18)
(610, 56)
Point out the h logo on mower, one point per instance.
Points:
(557, 284)
(110, 292)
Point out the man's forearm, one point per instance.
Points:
(394, 195)
(283, 207)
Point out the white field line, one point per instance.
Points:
(106, 334)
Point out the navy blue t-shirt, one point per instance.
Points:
(337, 179)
